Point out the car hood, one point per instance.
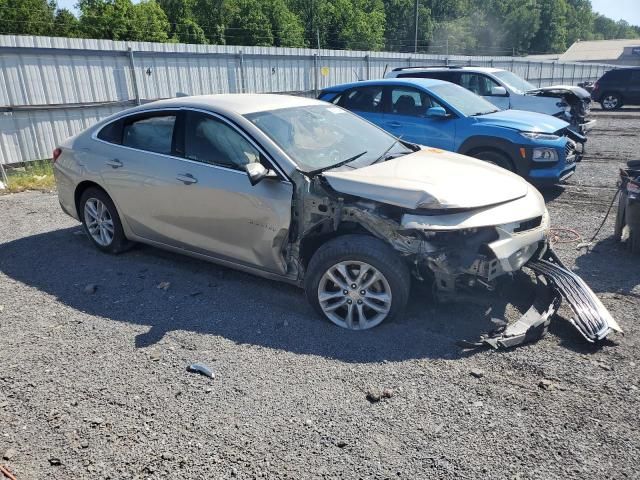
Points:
(432, 179)
(523, 121)
(559, 89)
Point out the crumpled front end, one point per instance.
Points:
(576, 103)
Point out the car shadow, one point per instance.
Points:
(167, 292)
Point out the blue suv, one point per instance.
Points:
(440, 114)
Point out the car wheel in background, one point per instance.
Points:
(101, 221)
(611, 101)
(496, 158)
(357, 282)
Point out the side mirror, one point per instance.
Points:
(436, 112)
(257, 172)
(498, 92)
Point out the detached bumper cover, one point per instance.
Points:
(592, 319)
(555, 282)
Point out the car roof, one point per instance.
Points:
(239, 103)
(408, 81)
(452, 68)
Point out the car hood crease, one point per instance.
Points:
(431, 178)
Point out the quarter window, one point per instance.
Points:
(111, 132)
(367, 99)
(212, 141)
(151, 133)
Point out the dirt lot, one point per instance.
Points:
(94, 385)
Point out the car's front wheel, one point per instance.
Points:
(496, 158)
(357, 282)
(101, 221)
(611, 101)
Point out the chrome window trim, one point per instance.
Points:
(94, 136)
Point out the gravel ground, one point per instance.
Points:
(94, 385)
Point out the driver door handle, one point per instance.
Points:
(187, 178)
(115, 163)
(394, 124)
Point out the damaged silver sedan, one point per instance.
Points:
(305, 192)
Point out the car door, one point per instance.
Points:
(200, 199)
(365, 101)
(634, 88)
(483, 85)
(406, 116)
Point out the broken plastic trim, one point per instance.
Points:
(554, 281)
(592, 319)
(530, 327)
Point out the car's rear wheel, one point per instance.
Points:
(611, 101)
(101, 221)
(496, 158)
(357, 282)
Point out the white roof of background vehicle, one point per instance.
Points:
(453, 69)
(240, 103)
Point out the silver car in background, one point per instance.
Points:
(302, 191)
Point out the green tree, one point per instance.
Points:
(27, 17)
(552, 34)
(148, 22)
(400, 25)
(66, 24)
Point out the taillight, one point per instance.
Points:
(56, 154)
(595, 86)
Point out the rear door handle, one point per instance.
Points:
(394, 124)
(115, 163)
(187, 178)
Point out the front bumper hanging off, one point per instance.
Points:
(555, 282)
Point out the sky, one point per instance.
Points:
(628, 10)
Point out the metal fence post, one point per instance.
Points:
(134, 77)
(540, 76)
(573, 74)
(243, 87)
(316, 75)
(553, 72)
(367, 66)
(528, 68)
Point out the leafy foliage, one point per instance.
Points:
(456, 26)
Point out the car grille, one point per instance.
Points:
(528, 225)
(570, 152)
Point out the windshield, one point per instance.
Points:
(317, 137)
(519, 85)
(468, 103)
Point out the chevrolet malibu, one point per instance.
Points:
(301, 191)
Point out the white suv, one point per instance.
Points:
(506, 90)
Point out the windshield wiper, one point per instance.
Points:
(477, 114)
(339, 164)
(386, 152)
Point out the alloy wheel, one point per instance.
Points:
(354, 295)
(610, 102)
(99, 222)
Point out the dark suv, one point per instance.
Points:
(617, 88)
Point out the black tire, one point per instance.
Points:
(634, 240)
(620, 217)
(496, 158)
(119, 242)
(366, 249)
(611, 101)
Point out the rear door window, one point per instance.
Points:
(112, 132)
(365, 99)
(153, 133)
(477, 83)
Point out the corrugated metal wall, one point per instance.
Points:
(51, 88)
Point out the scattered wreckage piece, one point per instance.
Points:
(201, 369)
(593, 320)
(554, 282)
(530, 327)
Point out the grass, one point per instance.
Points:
(37, 175)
